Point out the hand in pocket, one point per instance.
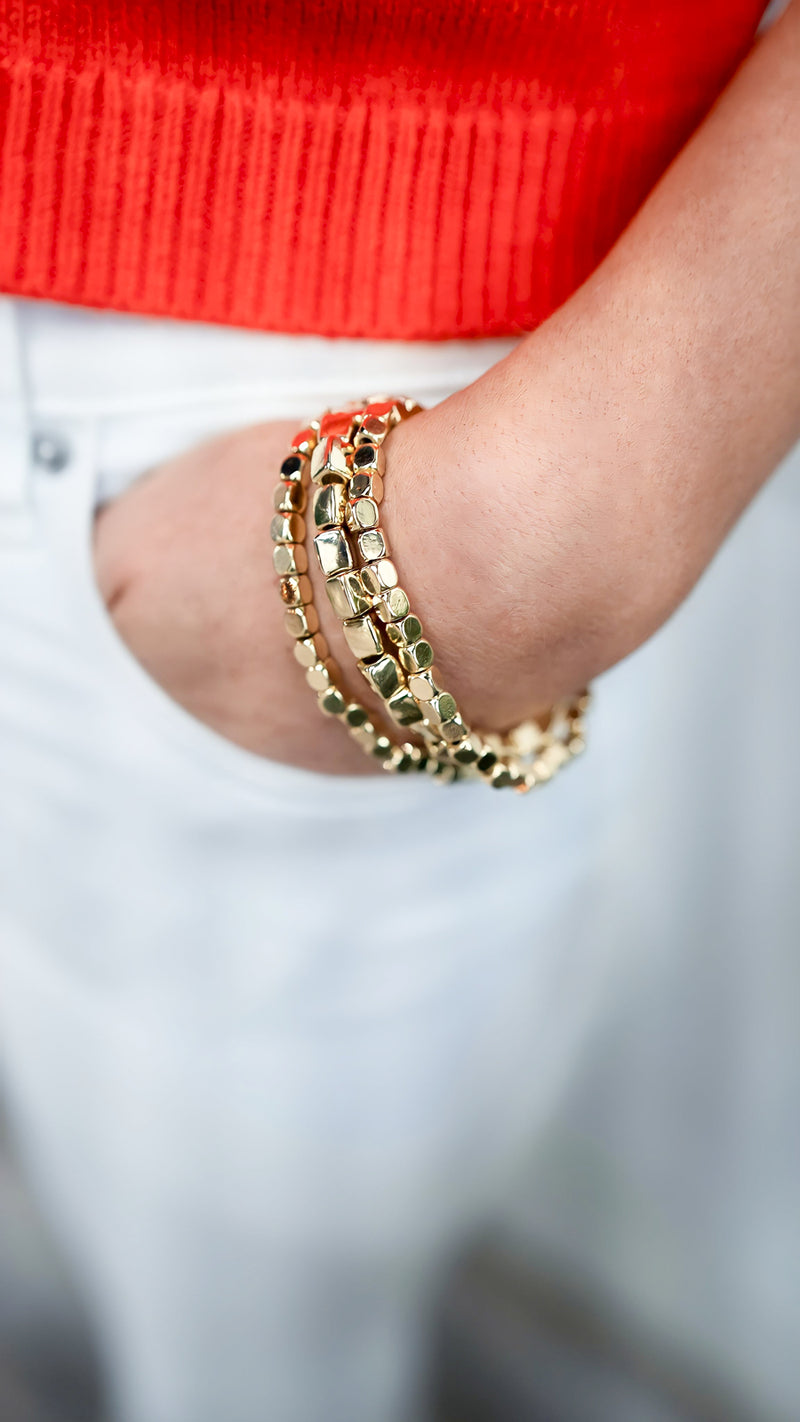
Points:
(183, 560)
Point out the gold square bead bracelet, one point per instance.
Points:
(340, 462)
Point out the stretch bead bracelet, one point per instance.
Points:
(290, 560)
(343, 457)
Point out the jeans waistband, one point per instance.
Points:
(152, 387)
(94, 363)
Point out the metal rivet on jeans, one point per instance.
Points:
(50, 452)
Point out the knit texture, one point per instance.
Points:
(398, 169)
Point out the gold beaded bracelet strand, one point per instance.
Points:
(290, 560)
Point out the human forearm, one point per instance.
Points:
(606, 458)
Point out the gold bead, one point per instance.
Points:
(355, 715)
(555, 756)
(453, 730)
(576, 745)
(366, 486)
(289, 498)
(501, 777)
(437, 748)
(362, 637)
(403, 708)
(527, 737)
(423, 686)
(310, 650)
(296, 591)
(407, 764)
(398, 762)
(288, 558)
(383, 675)
(331, 702)
(379, 577)
(321, 675)
(393, 605)
(368, 458)
(416, 756)
(442, 708)
(372, 428)
(328, 462)
(447, 774)
(287, 528)
(347, 595)
(294, 465)
(362, 513)
(333, 550)
(382, 748)
(371, 545)
(417, 657)
(468, 753)
(407, 630)
(301, 621)
(304, 442)
(329, 506)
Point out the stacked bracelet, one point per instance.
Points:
(340, 463)
(290, 560)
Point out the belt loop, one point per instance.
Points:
(16, 506)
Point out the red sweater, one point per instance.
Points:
(401, 168)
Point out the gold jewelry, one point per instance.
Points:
(288, 531)
(342, 457)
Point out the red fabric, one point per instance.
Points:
(402, 168)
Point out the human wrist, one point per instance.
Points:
(454, 514)
(528, 524)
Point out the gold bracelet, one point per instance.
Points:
(343, 457)
(288, 532)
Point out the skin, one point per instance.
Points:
(547, 519)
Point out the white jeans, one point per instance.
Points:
(260, 1109)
